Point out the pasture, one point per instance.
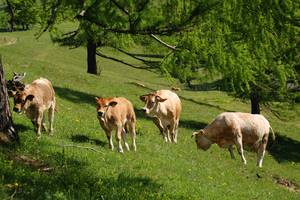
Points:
(51, 169)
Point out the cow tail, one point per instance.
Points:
(273, 134)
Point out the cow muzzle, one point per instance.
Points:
(17, 110)
(100, 113)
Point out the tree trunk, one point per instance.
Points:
(8, 133)
(91, 57)
(12, 16)
(255, 109)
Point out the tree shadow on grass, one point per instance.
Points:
(73, 179)
(285, 149)
(188, 99)
(75, 96)
(22, 128)
(191, 124)
(81, 138)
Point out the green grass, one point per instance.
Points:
(157, 170)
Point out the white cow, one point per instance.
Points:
(236, 128)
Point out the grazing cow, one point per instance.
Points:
(235, 128)
(117, 113)
(34, 100)
(165, 108)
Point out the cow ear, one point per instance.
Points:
(201, 132)
(96, 99)
(159, 99)
(113, 103)
(194, 134)
(143, 98)
(30, 97)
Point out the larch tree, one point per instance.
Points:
(115, 23)
(252, 44)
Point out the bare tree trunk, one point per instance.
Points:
(255, 109)
(8, 133)
(12, 16)
(91, 57)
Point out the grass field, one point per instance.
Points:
(157, 170)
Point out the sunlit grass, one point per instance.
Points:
(157, 170)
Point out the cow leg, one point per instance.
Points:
(44, 123)
(131, 127)
(39, 124)
(157, 122)
(124, 139)
(230, 149)
(239, 144)
(51, 117)
(261, 150)
(176, 131)
(109, 138)
(118, 137)
(172, 131)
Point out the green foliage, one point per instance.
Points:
(3, 19)
(25, 13)
(253, 44)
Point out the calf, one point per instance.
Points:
(34, 99)
(117, 113)
(165, 108)
(235, 128)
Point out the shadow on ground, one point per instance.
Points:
(75, 96)
(81, 138)
(22, 128)
(285, 149)
(73, 179)
(187, 99)
(191, 124)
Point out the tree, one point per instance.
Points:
(7, 131)
(253, 45)
(115, 23)
(22, 13)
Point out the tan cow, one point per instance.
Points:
(117, 113)
(164, 106)
(34, 100)
(235, 128)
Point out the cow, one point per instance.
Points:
(236, 128)
(117, 113)
(164, 106)
(34, 100)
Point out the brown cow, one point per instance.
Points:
(34, 100)
(117, 113)
(165, 108)
(235, 128)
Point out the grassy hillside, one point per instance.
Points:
(46, 170)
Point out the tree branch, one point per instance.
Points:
(162, 42)
(120, 8)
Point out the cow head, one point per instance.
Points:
(15, 85)
(201, 140)
(22, 101)
(103, 105)
(151, 102)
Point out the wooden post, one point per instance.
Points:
(8, 133)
